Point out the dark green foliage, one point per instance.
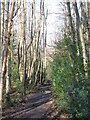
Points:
(72, 93)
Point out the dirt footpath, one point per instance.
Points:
(37, 105)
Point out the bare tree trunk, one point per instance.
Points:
(88, 34)
(0, 41)
(37, 37)
(73, 51)
(20, 43)
(2, 35)
(31, 47)
(87, 27)
(0, 61)
(6, 31)
(2, 22)
(83, 46)
(7, 74)
(7, 45)
(25, 55)
(74, 48)
(45, 46)
(34, 37)
(65, 21)
(80, 59)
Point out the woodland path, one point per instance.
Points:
(37, 105)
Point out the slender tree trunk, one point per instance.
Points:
(0, 60)
(25, 55)
(45, 47)
(7, 75)
(31, 47)
(80, 59)
(73, 42)
(87, 27)
(2, 35)
(83, 46)
(88, 34)
(73, 50)
(34, 36)
(2, 22)
(7, 45)
(20, 43)
(7, 64)
(43, 43)
(37, 37)
(0, 41)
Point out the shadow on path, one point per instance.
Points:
(37, 104)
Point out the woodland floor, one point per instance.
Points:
(38, 104)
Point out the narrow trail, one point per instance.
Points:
(37, 105)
